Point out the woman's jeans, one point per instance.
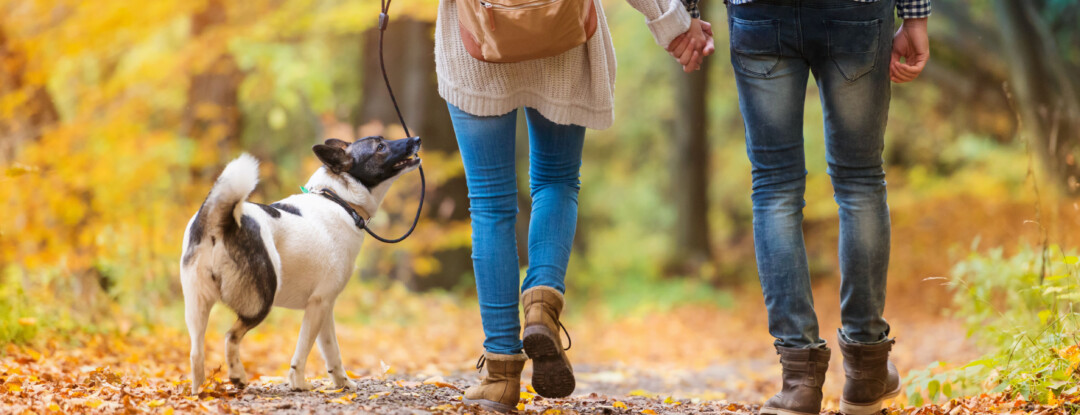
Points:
(487, 151)
(846, 45)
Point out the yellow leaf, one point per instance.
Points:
(521, 406)
(27, 321)
(527, 396)
(1071, 260)
(649, 412)
(619, 405)
(639, 392)
(12, 387)
(54, 407)
(330, 391)
(155, 403)
(94, 403)
(530, 389)
(1051, 399)
(168, 410)
(553, 412)
(669, 400)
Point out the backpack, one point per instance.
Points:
(503, 31)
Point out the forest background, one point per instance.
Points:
(115, 118)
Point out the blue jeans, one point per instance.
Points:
(775, 46)
(487, 151)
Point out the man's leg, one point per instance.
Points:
(771, 75)
(850, 59)
(851, 65)
(771, 80)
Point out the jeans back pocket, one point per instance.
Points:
(853, 46)
(755, 45)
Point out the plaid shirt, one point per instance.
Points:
(906, 9)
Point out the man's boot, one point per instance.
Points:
(871, 377)
(804, 373)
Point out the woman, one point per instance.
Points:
(562, 95)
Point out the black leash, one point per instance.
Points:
(384, 19)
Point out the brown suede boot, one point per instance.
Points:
(553, 377)
(500, 390)
(871, 377)
(804, 373)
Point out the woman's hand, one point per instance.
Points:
(692, 47)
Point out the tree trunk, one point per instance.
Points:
(690, 175)
(411, 67)
(212, 112)
(1044, 95)
(34, 114)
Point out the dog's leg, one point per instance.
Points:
(232, 351)
(331, 354)
(318, 308)
(196, 313)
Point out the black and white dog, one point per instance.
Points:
(297, 253)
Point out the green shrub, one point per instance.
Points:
(1022, 310)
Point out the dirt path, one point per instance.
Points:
(399, 395)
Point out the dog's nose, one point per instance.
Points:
(414, 140)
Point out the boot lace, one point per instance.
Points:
(569, 342)
(480, 363)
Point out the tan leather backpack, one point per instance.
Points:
(504, 31)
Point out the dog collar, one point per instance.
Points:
(358, 219)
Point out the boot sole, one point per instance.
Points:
(780, 411)
(490, 405)
(552, 375)
(848, 408)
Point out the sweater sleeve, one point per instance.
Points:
(666, 18)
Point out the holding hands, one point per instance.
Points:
(691, 48)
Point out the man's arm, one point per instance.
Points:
(911, 42)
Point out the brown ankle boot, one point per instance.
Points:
(500, 390)
(871, 377)
(553, 377)
(804, 373)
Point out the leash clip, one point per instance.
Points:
(384, 19)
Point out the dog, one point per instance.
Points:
(296, 253)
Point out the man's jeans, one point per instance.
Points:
(775, 45)
(487, 152)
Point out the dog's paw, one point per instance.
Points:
(343, 383)
(238, 382)
(298, 383)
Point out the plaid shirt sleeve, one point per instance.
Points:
(910, 9)
(692, 7)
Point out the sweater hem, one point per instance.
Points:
(559, 112)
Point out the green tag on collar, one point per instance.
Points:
(304, 189)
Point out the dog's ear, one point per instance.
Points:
(333, 142)
(333, 156)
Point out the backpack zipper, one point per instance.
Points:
(491, 6)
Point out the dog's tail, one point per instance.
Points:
(232, 188)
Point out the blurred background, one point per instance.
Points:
(116, 117)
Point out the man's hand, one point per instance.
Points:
(911, 43)
(691, 47)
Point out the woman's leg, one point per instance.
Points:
(554, 162)
(554, 165)
(487, 152)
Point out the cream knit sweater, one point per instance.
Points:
(576, 87)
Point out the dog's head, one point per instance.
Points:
(370, 160)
